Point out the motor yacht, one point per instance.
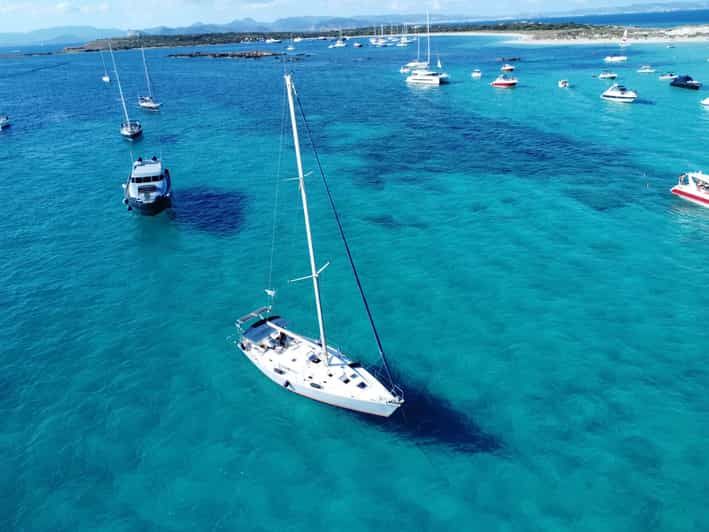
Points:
(504, 82)
(646, 69)
(148, 189)
(693, 187)
(686, 82)
(615, 58)
(476, 74)
(618, 93)
(668, 76)
(271, 40)
(607, 75)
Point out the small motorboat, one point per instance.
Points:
(563, 84)
(4, 121)
(705, 102)
(615, 59)
(693, 187)
(476, 74)
(298, 39)
(105, 78)
(504, 82)
(685, 82)
(357, 44)
(290, 48)
(618, 93)
(148, 189)
(507, 68)
(607, 75)
(668, 76)
(646, 69)
(272, 41)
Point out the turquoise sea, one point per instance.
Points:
(541, 295)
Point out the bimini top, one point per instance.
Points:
(147, 168)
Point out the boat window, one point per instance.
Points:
(316, 385)
(314, 359)
(362, 385)
(354, 365)
(344, 379)
(279, 371)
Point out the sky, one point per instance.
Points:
(26, 15)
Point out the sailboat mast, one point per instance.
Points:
(118, 80)
(428, 32)
(301, 182)
(105, 71)
(147, 76)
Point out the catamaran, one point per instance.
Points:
(130, 129)
(424, 76)
(105, 78)
(147, 102)
(306, 366)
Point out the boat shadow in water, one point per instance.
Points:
(219, 212)
(430, 420)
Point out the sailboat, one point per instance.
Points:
(307, 366)
(624, 42)
(105, 78)
(290, 46)
(424, 76)
(130, 129)
(147, 102)
(417, 63)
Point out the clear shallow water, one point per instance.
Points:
(541, 295)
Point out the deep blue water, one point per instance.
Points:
(657, 19)
(541, 294)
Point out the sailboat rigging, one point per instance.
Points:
(305, 366)
(105, 78)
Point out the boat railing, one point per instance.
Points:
(258, 313)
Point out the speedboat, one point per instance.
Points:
(476, 74)
(618, 93)
(668, 75)
(685, 82)
(298, 39)
(131, 129)
(148, 189)
(105, 78)
(564, 84)
(507, 68)
(424, 76)
(646, 69)
(271, 40)
(4, 121)
(148, 103)
(504, 82)
(693, 187)
(615, 58)
(705, 102)
(607, 75)
(357, 44)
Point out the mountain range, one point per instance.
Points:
(81, 34)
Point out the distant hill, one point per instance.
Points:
(59, 35)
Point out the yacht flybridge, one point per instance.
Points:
(306, 366)
(149, 188)
(148, 102)
(130, 129)
(693, 187)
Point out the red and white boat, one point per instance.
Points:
(504, 82)
(693, 187)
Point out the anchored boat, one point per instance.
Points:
(686, 82)
(147, 102)
(618, 93)
(306, 366)
(130, 129)
(504, 82)
(693, 187)
(149, 188)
